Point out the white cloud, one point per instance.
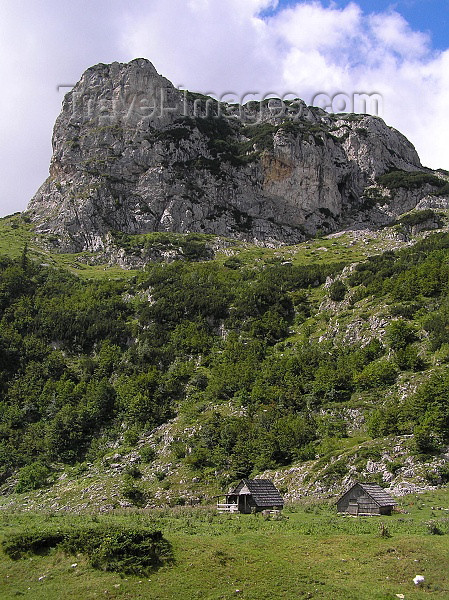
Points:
(213, 46)
(208, 45)
(309, 26)
(394, 34)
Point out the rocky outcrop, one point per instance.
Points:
(393, 466)
(131, 153)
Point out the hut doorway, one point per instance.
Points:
(244, 505)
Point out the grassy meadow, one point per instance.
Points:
(15, 233)
(310, 552)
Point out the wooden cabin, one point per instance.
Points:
(366, 499)
(252, 495)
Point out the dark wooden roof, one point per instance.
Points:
(378, 494)
(263, 491)
(375, 492)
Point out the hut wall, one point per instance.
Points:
(367, 506)
(352, 496)
(343, 505)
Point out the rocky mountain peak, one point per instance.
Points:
(132, 153)
(132, 94)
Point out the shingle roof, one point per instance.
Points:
(263, 491)
(378, 494)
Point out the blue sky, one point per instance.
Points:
(423, 15)
(397, 50)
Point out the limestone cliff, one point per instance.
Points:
(132, 153)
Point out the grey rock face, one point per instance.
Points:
(131, 153)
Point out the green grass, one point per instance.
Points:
(310, 553)
(14, 234)
(341, 248)
(76, 265)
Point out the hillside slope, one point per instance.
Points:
(317, 364)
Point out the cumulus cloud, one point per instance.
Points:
(213, 46)
(306, 48)
(309, 26)
(209, 45)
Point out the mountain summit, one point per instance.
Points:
(132, 153)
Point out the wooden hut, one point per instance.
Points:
(252, 495)
(366, 499)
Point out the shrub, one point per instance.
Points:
(147, 454)
(232, 262)
(133, 491)
(32, 477)
(407, 359)
(133, 471)
(443, 191)
(133, 552)
(425, 439)
(178, 501)
(379, 373)
(409, 180)
(438, 476)
(394, 466)
(337, 291)
(335, 470)
(178, 448)
(199, 458)
(25, 543)
(129, 551)
(443, 472)
(407, 310)
(131, 436)
(400, 334)
(331, 426)
(383, 421)
(418, 217)
(433, 528)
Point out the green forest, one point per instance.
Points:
(84, 362)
